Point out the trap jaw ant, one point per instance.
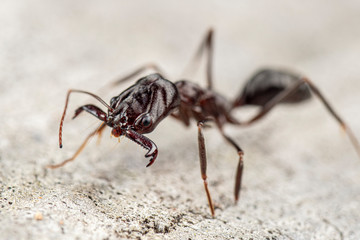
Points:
(139, 109)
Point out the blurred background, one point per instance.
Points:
(47, 47)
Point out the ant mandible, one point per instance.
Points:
(140, 108)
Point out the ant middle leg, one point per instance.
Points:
(203, 164)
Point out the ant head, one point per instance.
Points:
(142, 106)
(121, 122)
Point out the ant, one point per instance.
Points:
(140, 108)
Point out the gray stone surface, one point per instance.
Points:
(301, 178)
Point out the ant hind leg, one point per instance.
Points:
(270, 87)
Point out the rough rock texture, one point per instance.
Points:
(301, 178)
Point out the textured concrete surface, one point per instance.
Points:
(301, 178)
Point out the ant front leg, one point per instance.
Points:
(82, 146)
(203, 164)
(93, 110)
(97, 112)
(88, 108)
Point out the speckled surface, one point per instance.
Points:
(301, 178)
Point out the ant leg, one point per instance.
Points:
(240, 166)
(94, 109)
(203, 164)
(344, 126)
(273, 102)
(136, 72)
(257, 93)
(82, 146)
(205, 46)
(99, 133)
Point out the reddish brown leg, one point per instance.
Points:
(346, 127)
(289, 91)
(273, 102)
(203, 165)
(149, 66)
(100, 132)
(82, 146)
(207, 47)
(240, 166)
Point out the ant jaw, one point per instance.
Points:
(139, 139)
(145, 143)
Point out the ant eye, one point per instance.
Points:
(146, 121)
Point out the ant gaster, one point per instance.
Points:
(140, 108)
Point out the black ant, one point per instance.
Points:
(140, 108)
